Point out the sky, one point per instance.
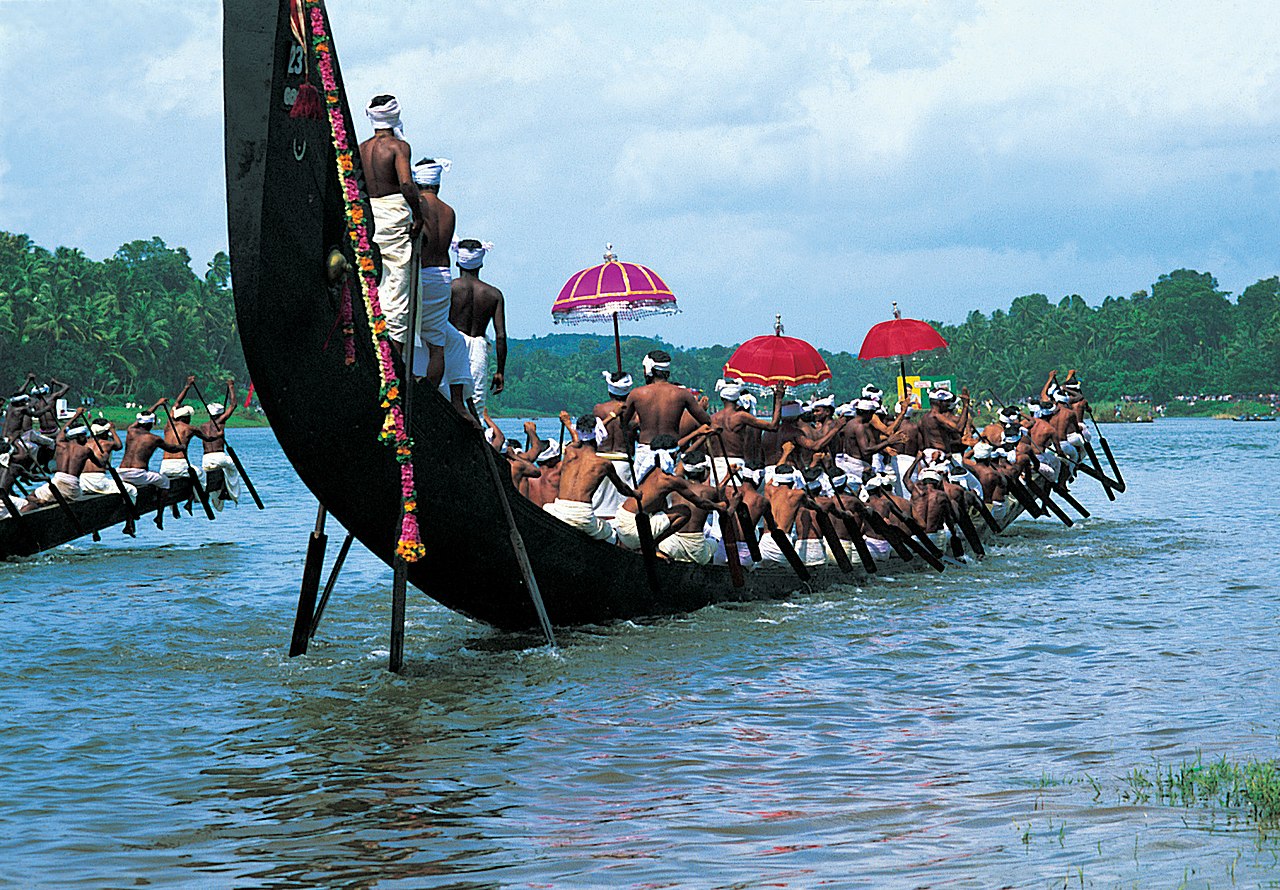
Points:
(816, 159)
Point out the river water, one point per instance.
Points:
(968, 730)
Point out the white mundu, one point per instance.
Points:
(392, 220)
(579, 515)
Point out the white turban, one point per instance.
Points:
(873, 392)
(1062, 396)
(814, 484)
(183, 413)
(617, 387)
(747, 400)
(650, 366)
(845, 410)
(929, 476)
(1009, 415)
(386, 117)
(838, 480)
(471, 257)
(941, 395)
(749, 475)
(20, 399)
(730, 392)
(704, 464)
(77, 431)
(41, 390)
(784, 478)
(590, 435)
(429, 173)
(790, 410)
(216, 408)
(982, 451)
(824, 402)
(551, 453)
(879, 480)
(99, 426)
(864, 405)
(146, 418)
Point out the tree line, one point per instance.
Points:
(118, 329)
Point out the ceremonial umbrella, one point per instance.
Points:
(900, 338)
(771, 359)
(620, 290)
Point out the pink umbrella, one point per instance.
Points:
(613, 289)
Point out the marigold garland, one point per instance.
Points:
(393, 433)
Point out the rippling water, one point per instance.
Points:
(968, 730)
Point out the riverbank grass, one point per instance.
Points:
(122, 417)
(1252, 785)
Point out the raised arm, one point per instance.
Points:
(63, 389)
(231, 403)
(499, 438)
(191, 379)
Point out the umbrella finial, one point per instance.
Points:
(609, 255)
(777, 324)
(897, 313)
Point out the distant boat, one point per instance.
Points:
(285, 215)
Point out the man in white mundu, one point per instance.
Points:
(180, 433)
(434, 291)
(474, 305)
(397, 218)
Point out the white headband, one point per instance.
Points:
(617, 387)
(20, 399)
(982, 451)
(183, 413)
(929, 476)
(845, 410)
(77, 431)
(864, 405)
(941, 395)
(730, 392)
(650, 366)
(784, 478)
(704, 464)
(386, 117)
(471, 257)
(590, 435)
(146, 418)
(429, 173)
(824, 402)
(748, 401)
(215, 408)
(551, 453)
(871, 391)
(99, 426)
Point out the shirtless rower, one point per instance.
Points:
(44, 408)
(930, 506)
(843, 505)
(785, 492)
(582, 472)
(544, 488)
(940, 430)
(790, 432)
(139, 444)
(609, 412)
(652, 493)
(70, 454)
(809, 542)
(691, 543)
(180, 433)
(397, 217)
(94, 479)
(8, 474)
(435, 293)
(473, 305)
(733, 421)
(215, 449)
(659, 406)
(743, 489)
(981, 463)
(17, 414)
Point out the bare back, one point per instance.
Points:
(660, 406)
(385, 160)
(438, 221)
(785, 502)
(475, 303)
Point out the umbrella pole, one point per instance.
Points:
(902, 368)
(617, 343)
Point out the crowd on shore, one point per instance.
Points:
(50, 458)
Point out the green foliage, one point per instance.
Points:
(129, 327)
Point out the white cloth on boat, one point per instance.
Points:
(435, 296)
(581, 516)
(688, 547)
(142, 477)
(478, 352)
(176, 468)
(67, 484)
(812, 551)
(392, 220)
(607, 499)
(102, 483)
(624, 523)
(230, 491)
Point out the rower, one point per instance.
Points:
(582, 472)
(903, 454)
(44, 408)
(8, 473)
(790, 432)
(941, 431)
(785, 492)
(879, 498)
(840, 504)
(743, 489)
(544, 488)
(70, 455)
(94, 478)
(17, 417)
(691, 543)
(139, 444)
(474, 304)
(435, 292)
(733, 422)
(652, 491)
(609, 412)
(859, 441)
(215, 450)
(809, 543)
(930, 506)
(397, 217)
(981, 462)
(658, 406)
(180, 433)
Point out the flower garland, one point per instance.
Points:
(394, 433)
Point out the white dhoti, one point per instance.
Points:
(849, 551)
(579, 515)
(901, 466)
(629, 536)
(1050, 465)
(176, 468)
(812, 551)
(435, 295)
(18, 504)
(880, 462)
(478, 353)
(688, 547)
(607, 500)
(853, 467)
(230, 491)
(102, 483)
(142, 478)
(67, 485)
(392, 220)
(880, 550)
(643, 460)
(723, 465)
(770, 551)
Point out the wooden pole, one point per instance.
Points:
(517, 545)
(328, 585)
(400, 571)
(311, 569)
(617, 343)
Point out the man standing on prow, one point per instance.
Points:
(435, 293)
(659, 405)
(474, 304)
(396, 217)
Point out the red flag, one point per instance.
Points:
(249, 395)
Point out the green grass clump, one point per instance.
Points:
(1253, 786)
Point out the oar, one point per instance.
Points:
(1067, 496)
(859, 543)
(644, 531)
(1024, 497)
(746, 526)
(1055, 509)
(191, 471)
(833, 541)
(14, 513)
(968, 529)
(130, 512)
(905, 544)
(916, 529)
(728, 537)
(1096, 472)
(231, 452)
(784, 545)
(1106, 449)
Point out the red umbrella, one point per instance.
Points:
(772, 359)
(615, 289)
(900, 338)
